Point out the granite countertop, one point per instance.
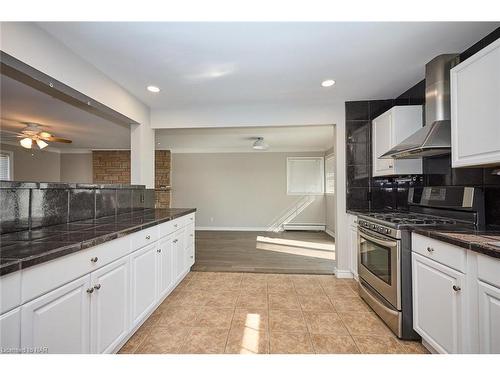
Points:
(478, 241)
(64, 185)
(19, 250)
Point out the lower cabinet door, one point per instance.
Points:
(438, 304)
(10, 331)
(109, 306)
(143, 282)
(165, 266)
(190, 257)
(489, 318)
(59, 321)
(179, 251)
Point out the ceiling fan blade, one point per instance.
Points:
(56, 139)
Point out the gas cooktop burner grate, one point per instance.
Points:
(413, 219)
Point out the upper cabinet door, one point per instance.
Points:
(388, 130)
(59, 320)
(475, 109)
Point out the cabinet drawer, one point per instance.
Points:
(62, 270)
(189, 219)
(144, 237)
(488, 269)
(449, 255)
(10, 291)
(166, 228)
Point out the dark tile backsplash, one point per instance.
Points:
(25, 208)
(391, 193)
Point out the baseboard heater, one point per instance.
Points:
(309, 227)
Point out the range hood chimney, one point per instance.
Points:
(435, 137)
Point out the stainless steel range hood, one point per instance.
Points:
(435, 137)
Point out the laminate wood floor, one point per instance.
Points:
(265, 252)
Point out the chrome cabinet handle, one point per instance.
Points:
(176, 240)
(148, 237)
(191, 235)
(456, 288)
(191, 257)
(158, 251)
(94, 259)
(90, 290)
(176, 225)
(97, 286)
(430, 249)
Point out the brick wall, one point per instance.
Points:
(113, 167)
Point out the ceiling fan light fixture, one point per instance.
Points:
(259, 144)
(26, 142)
(41, 144)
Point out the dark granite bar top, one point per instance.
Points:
(19, 250)
(63, 185)
(479, 241)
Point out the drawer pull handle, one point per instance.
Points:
(94, 259)
(148, 237)
(430, 249)
(176, 240)
(191, 235)
(191, 218)
(158, 251)
(97, 286)
(90, 290)
(456, 288)
(191, 257)
(176, 225)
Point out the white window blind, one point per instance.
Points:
(330, 175)
(305, 175)
(5, 166)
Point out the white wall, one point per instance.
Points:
(240, 190)
(76, 168)
(35, 47)
(330, 199)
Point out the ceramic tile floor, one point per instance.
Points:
(245, 313)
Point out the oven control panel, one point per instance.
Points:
(390, 232)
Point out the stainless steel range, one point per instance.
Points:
(384, 248)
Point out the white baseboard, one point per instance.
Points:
(343, 274)
(330, 233)
(312, 227)
(246, 229)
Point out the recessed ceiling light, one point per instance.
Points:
(259, 144)
(153, 88)
(328, 83)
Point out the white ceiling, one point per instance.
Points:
(279, 139)
(21, 103)
(279, 65)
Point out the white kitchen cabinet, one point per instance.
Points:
(143, 282)
(189, 246)
(59, 320)
(475, 109)
(489, 318)
(353, 244)
(110, 300)
(179, 251)
(10, 331)
(165, 265)
(439, 309)
(389, 129)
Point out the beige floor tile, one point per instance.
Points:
(413, 347)
(175, 316)
(205, 341)
(290, 343)
(350, 304)
(364, 324)
(339, 291)
(214, 318)
(163, 340)
(308, 288)
(283, 301)
(133, 343)
(287, 320)
(334, 344)
(325, 323)
(278, 278)
(378, 345)
(315, 303)
(252, 299)
(225, 299)
(245, 340)
(280, 287)
(251, 318)
(194, 298)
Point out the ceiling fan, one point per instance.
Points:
(33, 136)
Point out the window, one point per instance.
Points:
(330, 175)
(305, 176)
(6, 165)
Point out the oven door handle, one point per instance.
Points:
(378, 240)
